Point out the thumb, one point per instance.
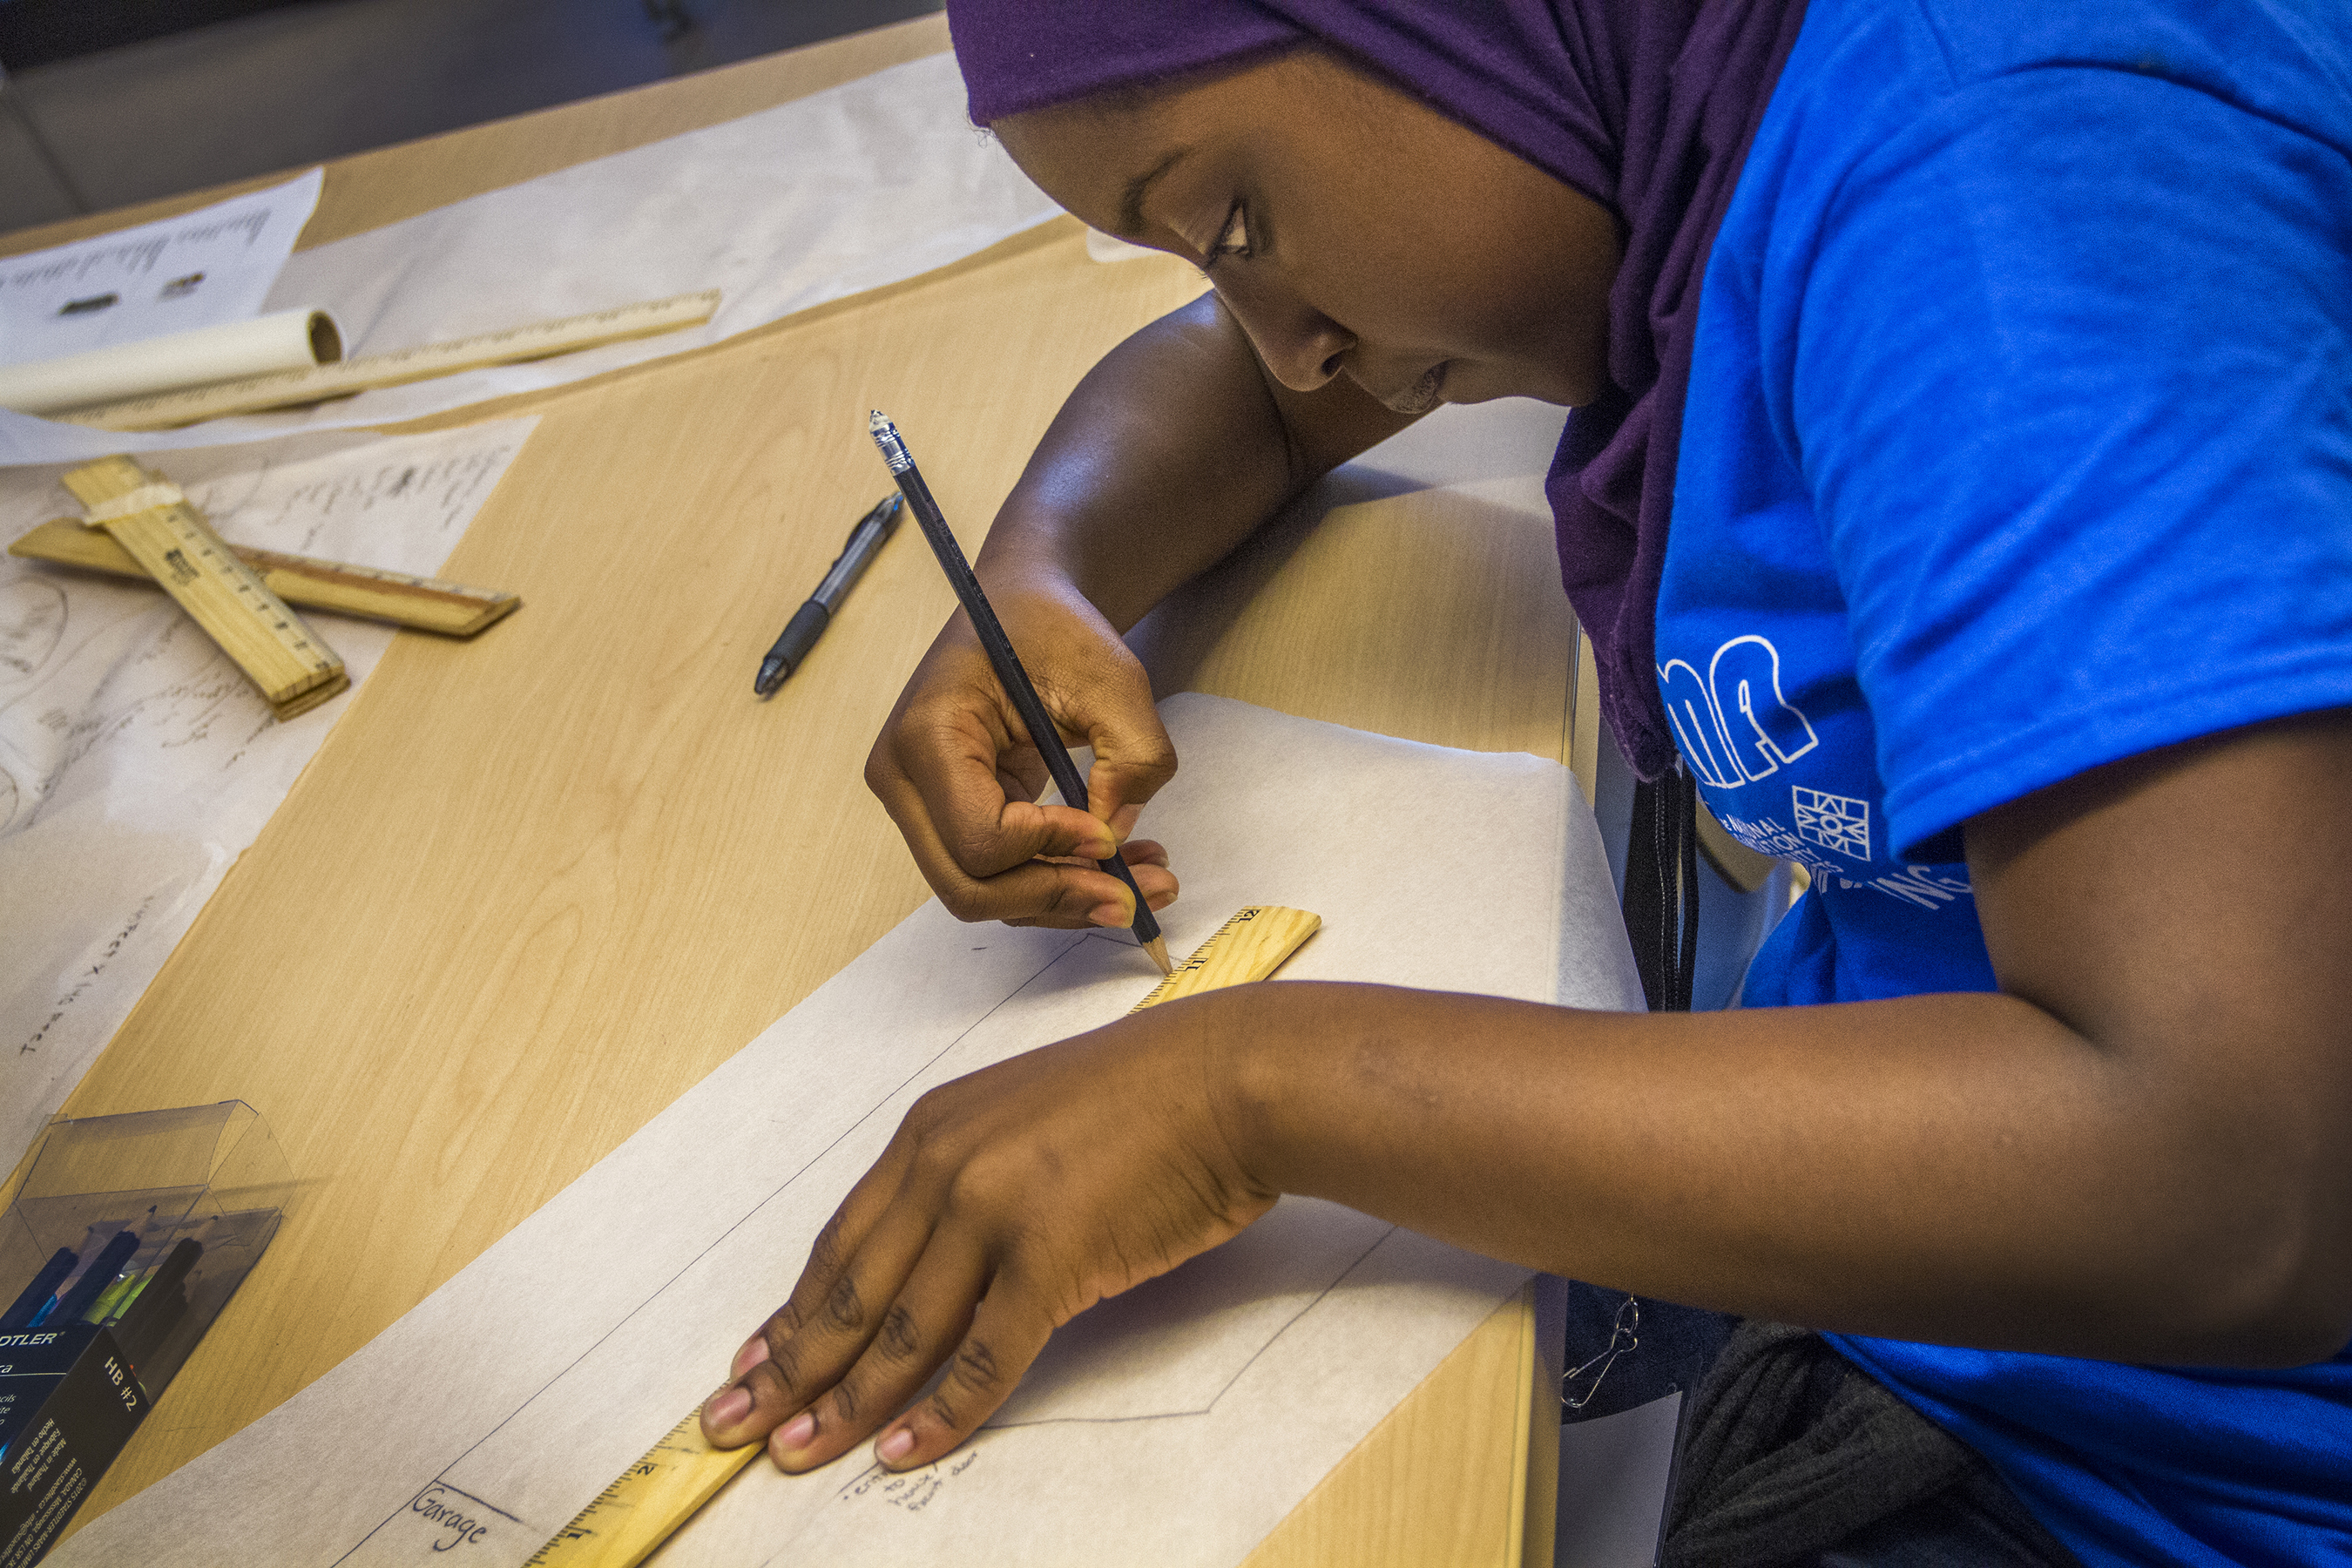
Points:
(1133, 758)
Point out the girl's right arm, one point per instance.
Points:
(1169, 453)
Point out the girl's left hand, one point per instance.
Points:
(1008, 1202)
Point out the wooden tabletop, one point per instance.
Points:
(535, 886)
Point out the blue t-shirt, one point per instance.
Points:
(2019, 440)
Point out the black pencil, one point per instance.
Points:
(1009, 673)
(160, 1303)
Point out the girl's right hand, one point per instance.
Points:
(960, 775)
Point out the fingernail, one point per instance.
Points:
(754, 1352)
(729, 1407)
(1111, 915)
(894, 1445)
(797, 1432)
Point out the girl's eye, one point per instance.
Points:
(1234, 239)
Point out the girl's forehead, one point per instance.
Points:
(1103, 161)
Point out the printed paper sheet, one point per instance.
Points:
(199, 269)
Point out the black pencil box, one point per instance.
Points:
(69, 1401)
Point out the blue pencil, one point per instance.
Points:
(45, 1284)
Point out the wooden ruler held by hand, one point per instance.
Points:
(427, 604)
(171, 543)
(290, 388)
(647, 1501)
(1250, 946)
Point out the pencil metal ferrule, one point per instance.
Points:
(886, 436)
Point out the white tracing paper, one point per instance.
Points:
(862, 185)
(136, 761)
(1176, 1423)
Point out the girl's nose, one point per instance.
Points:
(1302, 346)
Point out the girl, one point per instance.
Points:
(1959, 495)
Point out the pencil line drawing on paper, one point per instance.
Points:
(87, 665)
(1204, 1323)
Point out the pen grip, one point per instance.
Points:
(800, 635)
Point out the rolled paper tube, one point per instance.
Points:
(290, 340)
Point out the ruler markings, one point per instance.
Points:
(172, 542)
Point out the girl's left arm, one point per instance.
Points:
(2139, 1148)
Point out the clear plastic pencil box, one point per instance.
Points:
(123, 1239)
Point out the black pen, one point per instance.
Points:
(1009, 673)
(808, 623)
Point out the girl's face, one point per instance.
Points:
(1350, 229)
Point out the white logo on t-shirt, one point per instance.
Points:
(1836, 822)
(1768, 732)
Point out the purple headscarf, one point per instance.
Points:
(1646, 105)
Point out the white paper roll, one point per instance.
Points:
(290, 340)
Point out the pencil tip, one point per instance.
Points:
(1157, 948)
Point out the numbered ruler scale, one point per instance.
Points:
(288, 389)
(152, 520)
(646, 1502)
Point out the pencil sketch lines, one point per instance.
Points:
(786, 1185)
(32, 622)
(1169, 1349)
(1104, 1324)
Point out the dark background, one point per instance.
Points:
(107, 102)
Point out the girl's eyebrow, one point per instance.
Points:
(1130, 201)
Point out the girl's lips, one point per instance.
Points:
(1422, 395)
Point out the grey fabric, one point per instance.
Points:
(1792, 1455)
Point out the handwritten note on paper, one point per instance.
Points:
(199, 269)
(909, 1492)
(136, 762)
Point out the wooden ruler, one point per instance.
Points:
(652, 1497)
(316, 384)
(426, 604)
(1250, 946)
(173, 545)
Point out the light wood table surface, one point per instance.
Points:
(534, 887)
